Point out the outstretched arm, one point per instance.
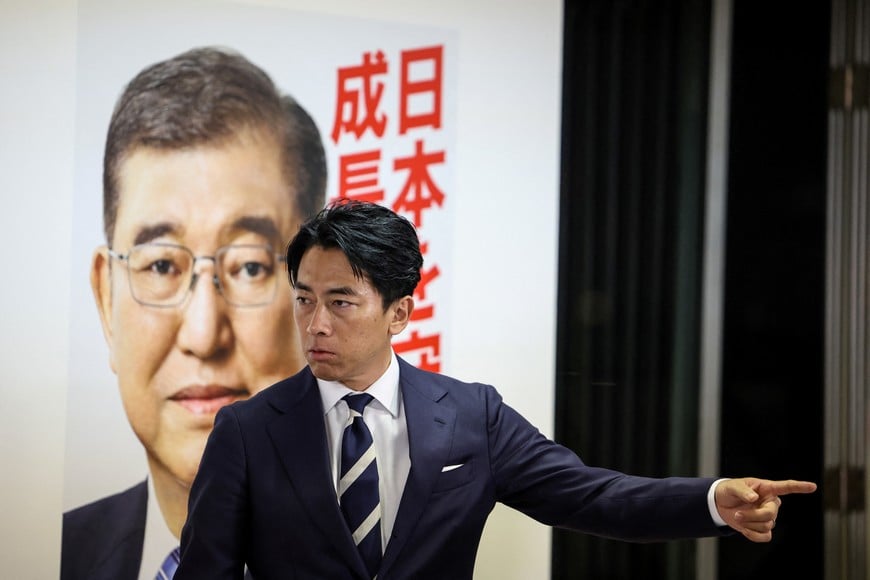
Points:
(750, 505)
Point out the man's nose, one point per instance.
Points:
(319, 322)
(205, 328)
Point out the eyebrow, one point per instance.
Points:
(263, 226)
(152, 232)
(340, 290)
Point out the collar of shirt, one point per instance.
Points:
(385, 390)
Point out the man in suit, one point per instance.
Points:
(208, 171)
(279, 488)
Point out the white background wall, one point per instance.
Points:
(505, 244)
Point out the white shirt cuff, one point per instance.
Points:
(711, 503)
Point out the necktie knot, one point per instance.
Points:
(358, 403)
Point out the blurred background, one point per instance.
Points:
(713, 242)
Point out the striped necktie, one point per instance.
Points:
(170, 564)
(358, 486)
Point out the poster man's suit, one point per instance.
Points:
(103, 540)
(264, 494)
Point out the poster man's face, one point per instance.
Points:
(178, 365)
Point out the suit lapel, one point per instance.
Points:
(299, 437)
(430, 432)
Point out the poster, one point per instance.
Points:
(383, 99)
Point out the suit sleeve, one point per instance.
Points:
(213, 540)
(551, 484)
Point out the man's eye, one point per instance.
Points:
(253, 269)
(162, 267)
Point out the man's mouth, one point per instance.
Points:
(317, 355)
(207, 400)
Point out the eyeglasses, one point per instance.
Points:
(163, 275)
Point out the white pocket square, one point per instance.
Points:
(447, 468)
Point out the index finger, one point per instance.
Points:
(787, 486)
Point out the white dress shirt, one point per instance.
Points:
(159, 541)
(711, 503)
(385, 418)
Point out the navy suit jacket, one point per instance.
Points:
(264, 494)
(103, 539)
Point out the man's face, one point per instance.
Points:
(178, 365)
(344, 329)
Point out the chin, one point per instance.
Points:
(186, 474)
(323, 372)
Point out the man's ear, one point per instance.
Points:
(402, 309)
(101, 285)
